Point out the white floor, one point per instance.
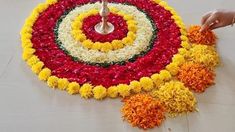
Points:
(28, 105)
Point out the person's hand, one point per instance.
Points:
(216, 19)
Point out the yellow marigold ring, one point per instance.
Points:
(107, 46)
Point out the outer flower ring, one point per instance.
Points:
(60, 71)
(146, 83)
(107, 46)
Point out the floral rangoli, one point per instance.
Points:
(150, 52)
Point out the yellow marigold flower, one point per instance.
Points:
(173, 68)
(26, 44)
(96, 46)
(168, 8)
(27, 53)
(184, 52)
(99, 92)
(180, 23)
(29, 22)
(121, 13)
(63, 83)
(163, 4)
(87, 14)
(77, 25)
(73, 88)
(183, 31)
(131, 22)
(165, 75)
(186, 45)
(157, 79)
(146, 83)
(205, 55)
(175, 17)
(87, 43)
(44, 74)
(128, 17)
(174, 12)
(25, 30)
(123, 90)
(106, 47)
(93, 12)
(127, 41)
(81, 17)
(52, 81)
(184, 38)
(132, 35)
(179, 59)
(34, 15)
(33, 60)
(113, 9)
(135, 86)
(51, 1)
(37, 67)
(171, 9)
(41, 7)
(177, 98)
(113, 92)
(81, 37)
(26, 36)
(76, 32)
(117, 44)
(157, 1)
(86, 91)
(132, 27)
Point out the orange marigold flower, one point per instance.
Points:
(195, 36)
(143, 111)
(196, 76)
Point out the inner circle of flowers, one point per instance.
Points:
(107, 46)
(144, 34)
(99, 92)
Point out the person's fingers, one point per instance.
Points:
(205, 17)
(210, 21)
(216, 25)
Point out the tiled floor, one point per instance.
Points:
(27, 105)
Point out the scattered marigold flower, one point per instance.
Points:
(195, 36)
(176, 98)
(196, 76)
(205, 55)
(143, 111)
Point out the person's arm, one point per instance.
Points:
(216, 19)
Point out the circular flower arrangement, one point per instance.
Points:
(149, 50)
